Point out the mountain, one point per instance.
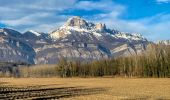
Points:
(13, 49)
(79, 39)
(78, 25)
(10, 33)
(164, 42)
(31, 34)
(76, 39)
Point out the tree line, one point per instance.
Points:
(154, 62)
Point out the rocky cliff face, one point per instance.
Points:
(13, 48)
(79, 39)
(76, 39)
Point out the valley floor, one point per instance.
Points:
(85, 88)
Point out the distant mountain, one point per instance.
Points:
(76, 39)
(78, 25)
(80, 39)
(31, 34)
(10, 33)
(13, 49)
(164, 42)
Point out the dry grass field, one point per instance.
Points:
(85, 88)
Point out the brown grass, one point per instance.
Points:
(88, 88)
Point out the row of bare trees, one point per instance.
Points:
(154, 62)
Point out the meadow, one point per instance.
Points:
(85, 88)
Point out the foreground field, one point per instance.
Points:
(85, 88)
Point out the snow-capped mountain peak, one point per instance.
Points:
(76, 25)
(100, 26)
(77, 22)
(34, 32)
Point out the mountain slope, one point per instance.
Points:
(77, 39)
(13, 49)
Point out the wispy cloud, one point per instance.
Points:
(91, 5)
(146, 26)
(45, 15)
(154, 27)
(25, 14)
(163, 1)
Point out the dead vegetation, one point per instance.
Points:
(85, 88)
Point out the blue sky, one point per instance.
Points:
(151, 18)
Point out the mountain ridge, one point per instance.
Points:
(77, 39)
(164, 42)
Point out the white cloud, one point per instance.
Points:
(101, 5)
(154, 27)
(146, 26)
(24, 14)
(43, 15)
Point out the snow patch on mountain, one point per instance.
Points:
(77, 24)
(164, 42)
(132, 36)
(34, 32)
